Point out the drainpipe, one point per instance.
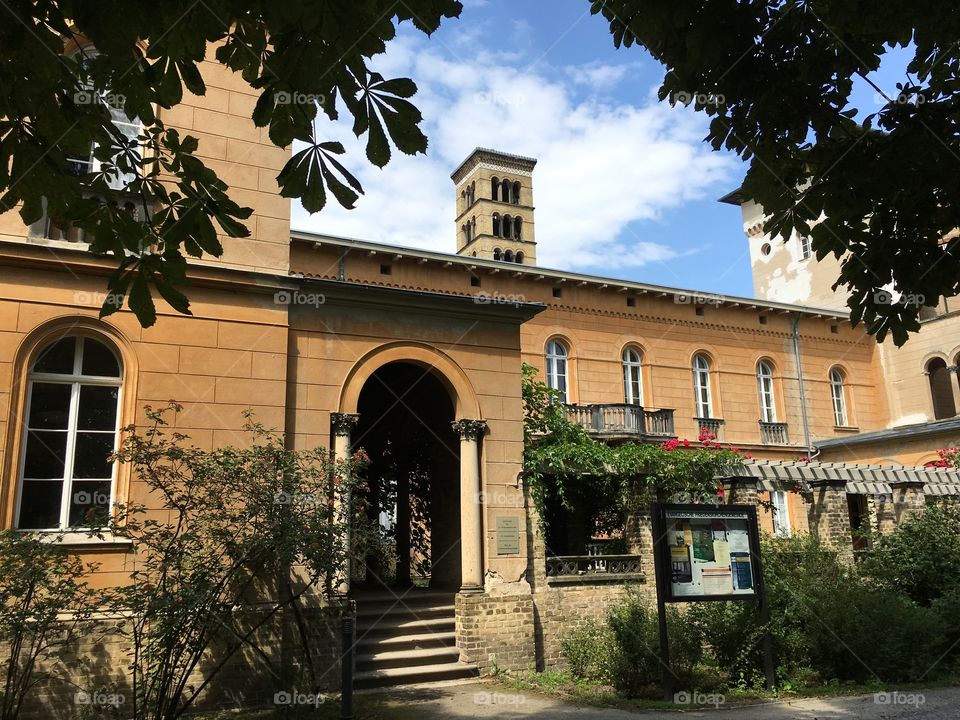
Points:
(342, 265)
(803, 398)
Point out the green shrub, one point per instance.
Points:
(636, 666)
(919, 555)
(591, 651)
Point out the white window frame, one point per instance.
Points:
(806, 247)
(702, 392)
(76, 380)
(558, 368)
(768, 400)
(780, 513)
(632, 376)
(838, 394)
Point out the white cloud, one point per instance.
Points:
(598, 76)
(602, 165)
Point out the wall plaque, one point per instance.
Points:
(508, 535)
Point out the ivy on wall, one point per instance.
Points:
(560, 457)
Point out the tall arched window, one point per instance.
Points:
(494, 188)
(517, 228)
(941, 389)
(632, 377)
(838, 393)
(701, 386)
(557, 355)
(768, 403)
(507, 223)
(72, 420)
(496, 225)
(516, 193)
(505, 191)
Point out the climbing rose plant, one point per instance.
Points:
(949, 458)
(559, 454)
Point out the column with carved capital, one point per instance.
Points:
(342, 425)
(471, 517)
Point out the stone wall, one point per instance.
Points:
(495, 628)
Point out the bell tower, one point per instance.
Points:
(494, 193)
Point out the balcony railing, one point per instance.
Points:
(772, 433)
(599, 567)
(709, 426)
(622, 419)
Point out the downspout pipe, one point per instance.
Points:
(795, 323)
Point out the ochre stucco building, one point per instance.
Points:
(338, 342)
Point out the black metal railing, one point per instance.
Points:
(586, 566)
(622, 418)
(772, 433)
(710, 426)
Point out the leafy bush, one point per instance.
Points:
(636, 665)
(919, 555)
(591, 651)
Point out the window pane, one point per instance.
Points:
(98, 360)
(57, 358)
(45, 454)
(49, 406)
(90, 455)
(98, 408)
(40, 505)
(89, 503)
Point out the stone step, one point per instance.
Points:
(407, 658)
(411, 675)
(411, 641)
(399, 626)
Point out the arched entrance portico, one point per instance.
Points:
(414, 401)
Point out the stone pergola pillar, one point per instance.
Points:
(342, 425)
(907, 500)
(471, 509)
(741, 491)
(830, 515)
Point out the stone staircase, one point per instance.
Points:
(407, 637)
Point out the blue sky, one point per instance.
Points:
(624, 187)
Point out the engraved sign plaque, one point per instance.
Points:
(508, 535)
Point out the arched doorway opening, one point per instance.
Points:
(412, 501)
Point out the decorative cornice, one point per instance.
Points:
(469, 429)
(343, 423)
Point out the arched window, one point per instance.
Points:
(497, 254)
(505, 191)
(494, 188)
(701, 386)
(517, 228)
(838, 393)
(508, 255)
(557, 356)
(806, 248)
(519, 257)
(472, 194)
(496, 225)
(941, 389)
(516, 193)
(507, 228)
(768, 403)
(72, 421)
(632, 377)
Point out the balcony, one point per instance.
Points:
(772, 433)
(710, 426)
(610, 420)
